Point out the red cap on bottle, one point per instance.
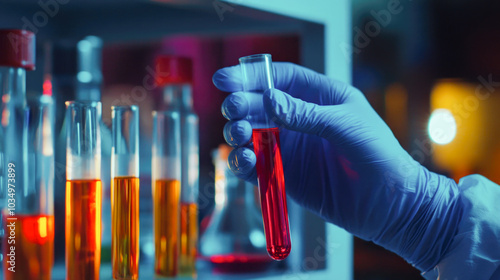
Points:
(17, 48)
(173, 70)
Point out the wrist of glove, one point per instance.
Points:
(425, 220)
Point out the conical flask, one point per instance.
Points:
(234, 239)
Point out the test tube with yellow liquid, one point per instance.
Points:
(83, 190)
(125, 192)
(166, 189)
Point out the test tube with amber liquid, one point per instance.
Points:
(125, 192)
(166, 188)
(28, 244)
(83, 190)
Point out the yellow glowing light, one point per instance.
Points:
(442, 126)
(467, 126)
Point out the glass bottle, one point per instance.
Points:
(76, 75)
(88, 88)
(29, 207)
(174, 75)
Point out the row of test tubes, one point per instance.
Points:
(174, 215)
(175, 219)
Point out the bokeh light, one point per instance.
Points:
(442, 126)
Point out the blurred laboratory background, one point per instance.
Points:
(425, 66)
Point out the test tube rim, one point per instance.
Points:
(171, 113)
(125, 108)
(255, 57)
(83, 103)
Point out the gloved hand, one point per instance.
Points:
(342, 162)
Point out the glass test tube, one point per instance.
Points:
(189, 196)
(257, 77)
(28, 246)
(83, 190)
(175, 75)
(166, 175)
(125, 192)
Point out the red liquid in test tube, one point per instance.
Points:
(272, 192)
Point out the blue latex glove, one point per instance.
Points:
(342, 162)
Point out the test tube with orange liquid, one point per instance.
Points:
(125, 192)
(83, 190)
(166, 189)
